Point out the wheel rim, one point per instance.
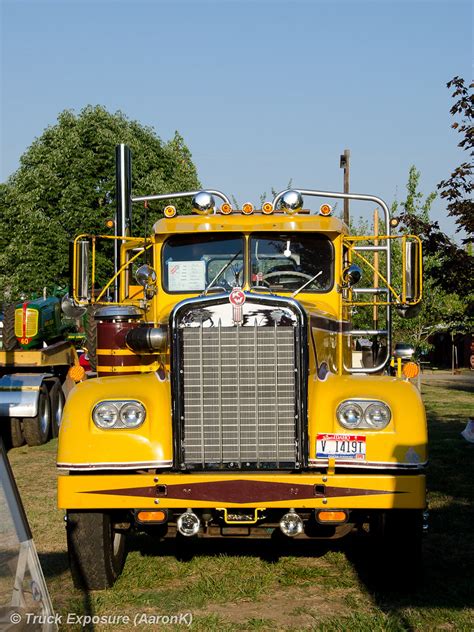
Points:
(44, 414)
(116, 541)
(59, 410)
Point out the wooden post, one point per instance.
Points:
(452, 353)
(345, 164)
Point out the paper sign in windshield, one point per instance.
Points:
(186, 276)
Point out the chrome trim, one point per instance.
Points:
(182, 194)
(138, 465)
(301, 364)
(369, 464)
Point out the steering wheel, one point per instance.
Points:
(292, 273)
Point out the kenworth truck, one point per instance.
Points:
(229, 401)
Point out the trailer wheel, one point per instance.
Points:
(56, 400)
(36, 429)
(11, 432)
(16, 433)
(96, 550)
(398, 554)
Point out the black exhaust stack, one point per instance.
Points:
(123, 196)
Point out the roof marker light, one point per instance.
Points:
(226, 209)
(267, 208)
(325, 209)
(247, 208)
(170, 211)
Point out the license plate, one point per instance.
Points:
(340, 446)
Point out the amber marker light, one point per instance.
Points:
(77, 373)
(267, 208)
(325, 209)
(170, 211)
(411, 369)
(151, 516)
(226, 209)
(332, 516)
(110, 223)
(247, 208)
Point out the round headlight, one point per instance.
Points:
(349, 414)
(105, 415)
(378, 415)
(132, 415)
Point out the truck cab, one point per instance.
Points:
(227, 401)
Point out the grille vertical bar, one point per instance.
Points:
(239, 388)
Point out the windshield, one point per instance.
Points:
(191, 262)
(283, 263)
(286, 262)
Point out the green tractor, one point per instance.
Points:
(38, 321)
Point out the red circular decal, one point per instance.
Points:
(237, 297)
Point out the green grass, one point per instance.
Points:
(231, 586)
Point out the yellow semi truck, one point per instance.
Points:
(229, 399)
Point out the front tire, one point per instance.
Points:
(96, 550)
(36, 429)
(398, 553)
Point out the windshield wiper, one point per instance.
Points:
(305, 284)
(221, 271)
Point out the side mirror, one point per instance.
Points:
(79, 270)
(404, 351)
(351, 275)
(411, 271)
(146, 277)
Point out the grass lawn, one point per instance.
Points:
(234, 585)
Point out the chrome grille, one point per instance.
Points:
(239, 395)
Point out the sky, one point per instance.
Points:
(263, 92)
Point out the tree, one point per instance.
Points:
(447, 303)
(458, 188)
(65, 185)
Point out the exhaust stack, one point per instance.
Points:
(123, 197)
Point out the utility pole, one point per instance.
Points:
(345, 164)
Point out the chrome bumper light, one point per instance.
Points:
(188, 523)
(291, 524)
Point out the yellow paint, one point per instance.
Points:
(81, 441)
(407, 428)
(57, 354)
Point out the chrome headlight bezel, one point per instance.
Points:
(118, 408)
(346, 406)
(371, 421)
(366, 407)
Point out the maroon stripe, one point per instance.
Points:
(330, 324)
(242, 491)
(128, 360)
